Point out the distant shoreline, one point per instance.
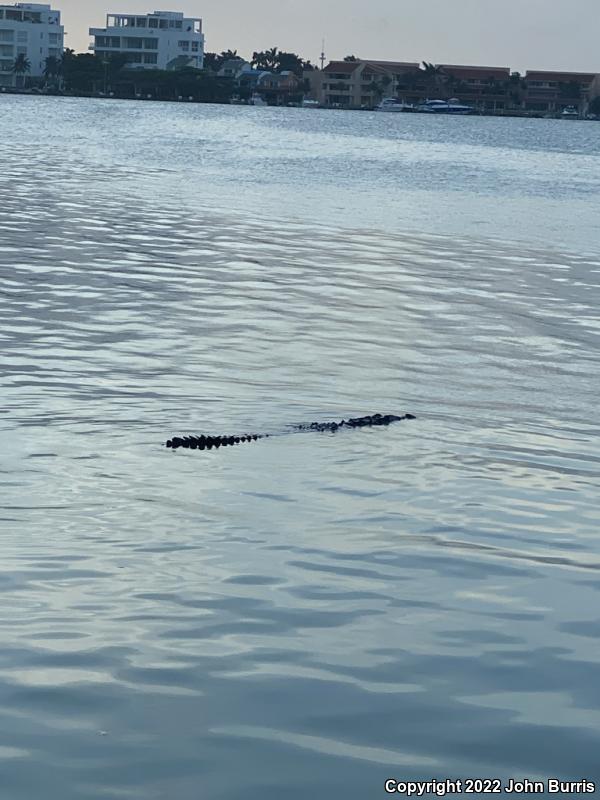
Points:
(149, 99)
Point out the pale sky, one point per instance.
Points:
(521, 34)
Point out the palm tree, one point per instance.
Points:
(435, 77)
(272, 58)
(595, 106)
(516, 86)
(413, 79)
(214, 61)
(493, 85)
(21, 65)
(67, 66)
(291, 62)
(571, 89)
(52, 67)
(379, 88)
(266, 59)
(53, 70)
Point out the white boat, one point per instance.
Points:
(257, 100)
(392, 104)
(444, 107)
(570, 112)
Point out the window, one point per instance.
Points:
(7, 36)
(108, 41)
(6, 50)
(150, 44)
(150, 58)
(134, 58)
(21, 36)
(183, 45)
(337, 100)
(194, 47)
(53, 38)
(140, 22)
(153, 23)
(133, 43)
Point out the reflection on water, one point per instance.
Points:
(310, 613)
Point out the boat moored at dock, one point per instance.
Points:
(444, 107)
(394, 105)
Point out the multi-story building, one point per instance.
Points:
(552, 92)
(484, 88)
(362, 84)
(32, 30)
(358, 84)
(279, 88)
(161, 40)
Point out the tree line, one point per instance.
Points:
(272, 60)
(90, 74)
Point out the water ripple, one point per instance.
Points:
(332, 609)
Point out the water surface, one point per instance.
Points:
(310, 614)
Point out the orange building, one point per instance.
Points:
(359, 84)
(552, 92)
(485, 88)
(363, 84)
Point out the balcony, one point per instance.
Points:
(20, 15)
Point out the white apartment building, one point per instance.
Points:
(32, 30)
(161, 40)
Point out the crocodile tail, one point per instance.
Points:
(208, 442)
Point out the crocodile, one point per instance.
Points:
(205, 442)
